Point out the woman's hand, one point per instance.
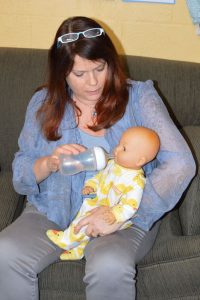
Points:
(45, 165)
(97, 222)
(53, 160)
(68, 149)
(52, 163)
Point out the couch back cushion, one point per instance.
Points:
(178, 83)
(22, 71)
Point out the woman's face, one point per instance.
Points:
(87, 79)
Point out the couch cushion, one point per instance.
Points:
(22, 71)
(171, 269)
(9, 199)
(189, 210)
(171, 280)
(177, 82)
(63, 280)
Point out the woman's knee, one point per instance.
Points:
(108, 266)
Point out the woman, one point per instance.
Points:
(87, 101)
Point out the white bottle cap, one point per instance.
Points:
(100, 156)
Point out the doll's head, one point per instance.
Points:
(137, 147)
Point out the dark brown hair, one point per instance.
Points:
(112, 104)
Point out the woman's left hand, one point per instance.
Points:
(96, 223)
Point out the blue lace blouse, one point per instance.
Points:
(59, 196)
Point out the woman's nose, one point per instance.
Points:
(92, 78)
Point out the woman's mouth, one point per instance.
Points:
(95, 92)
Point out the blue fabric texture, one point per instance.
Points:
(90, 141)
(194, 9)
(59, 196)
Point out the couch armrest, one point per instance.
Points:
(11, 203)
(189, 210)
(171, 269)
(171, 244)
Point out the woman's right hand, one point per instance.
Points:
(99, 222)
(44, 166)
(53, 160)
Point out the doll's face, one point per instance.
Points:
(137, 146)
(125, 153)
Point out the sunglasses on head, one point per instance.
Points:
(74, 36)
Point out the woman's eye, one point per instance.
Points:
(101, 68)
(124, 148)
(78, 74)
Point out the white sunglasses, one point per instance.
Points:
(74, 36)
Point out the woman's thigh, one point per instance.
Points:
(132, 242)
(25, 241)
(111, 262)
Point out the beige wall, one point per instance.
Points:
(144, 29)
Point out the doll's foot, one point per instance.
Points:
(56, 237)
(72, 254)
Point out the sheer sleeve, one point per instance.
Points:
(24, 180)
(174, 166)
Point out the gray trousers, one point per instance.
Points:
(110, 268)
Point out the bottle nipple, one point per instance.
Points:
(101, 158)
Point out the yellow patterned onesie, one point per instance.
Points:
(116, 187)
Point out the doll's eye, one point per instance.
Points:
(124, 148)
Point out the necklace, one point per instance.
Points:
(94, 113)
(82, 107)
(86, 118)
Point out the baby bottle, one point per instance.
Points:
(93, 159)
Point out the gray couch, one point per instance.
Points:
(171, 270)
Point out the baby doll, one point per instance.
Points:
(120, 186)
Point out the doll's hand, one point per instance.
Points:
(87, 190)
